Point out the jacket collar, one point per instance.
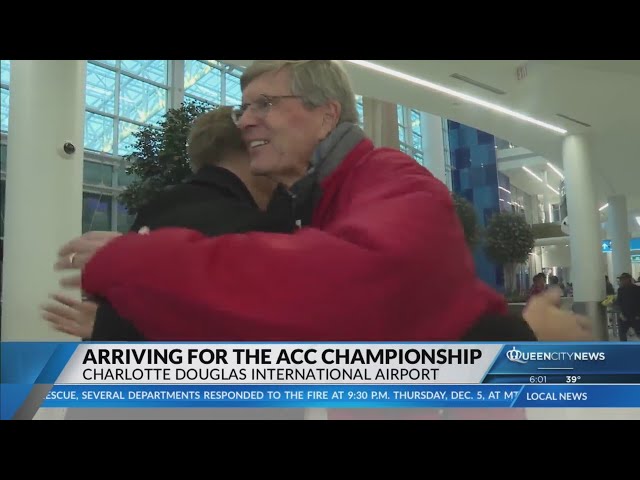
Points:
(327, 157)
(330, 153)
(222, 179)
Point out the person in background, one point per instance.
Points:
(609, 286)
(222, 196)
(538, 286)
(554, 282)
(629, 303)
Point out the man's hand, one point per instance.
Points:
(552, 324)
(77, 253)
(70, 316)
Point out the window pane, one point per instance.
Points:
(154, 70)
(101, 89)
(232, 90)
(96, 212)
(4, 109)
(416, 125)
(360, 109)
(98, 133)
(126, 140)
(5, 71)
(124, 219)
(202, 80)
(98, 173)
(419, 157)
(401, 134)
(416, 140)
(141, 101)
(400, 110)
(123, 179)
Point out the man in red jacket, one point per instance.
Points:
(373, 222)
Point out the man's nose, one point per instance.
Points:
(248, 119)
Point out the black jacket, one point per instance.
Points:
(629, 301)
(214, 201)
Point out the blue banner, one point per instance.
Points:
(548, 363)
(343, 396)
(319, 375)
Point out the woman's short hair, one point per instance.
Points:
(213, 137)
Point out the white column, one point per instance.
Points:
(381, 122)
(535, 209)
(43, 190)
(609, 268)
(587, 269)
(176, 92)
(547, 202)
(433, 145)
(618, 233)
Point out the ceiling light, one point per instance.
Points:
(638, 220)
(553, 189)
(532, 174)
(456, 94)
(552, 167)
(504, 189)
(603, 206)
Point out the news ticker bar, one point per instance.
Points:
(343, 396)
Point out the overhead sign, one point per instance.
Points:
(634, 244)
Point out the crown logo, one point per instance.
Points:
(516, 356)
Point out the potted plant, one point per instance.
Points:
(159, 157)
(467, 215)
(509, 241)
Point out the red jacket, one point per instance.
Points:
(384, 260)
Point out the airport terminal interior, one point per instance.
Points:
(554, 143)
(497, 133)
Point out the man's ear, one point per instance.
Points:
(331, 117)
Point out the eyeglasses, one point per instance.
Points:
(261, 107)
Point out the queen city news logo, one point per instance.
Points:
(516, 356)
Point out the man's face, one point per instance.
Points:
(280, 131)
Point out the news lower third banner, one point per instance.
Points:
(342, 375)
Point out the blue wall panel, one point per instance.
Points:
(475, 177)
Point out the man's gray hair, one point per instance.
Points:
(316, 81)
